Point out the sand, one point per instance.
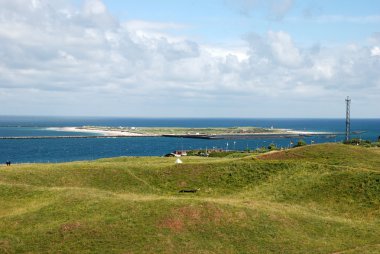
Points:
(97, 131)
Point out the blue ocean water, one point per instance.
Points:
(61, 150)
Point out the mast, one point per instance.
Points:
(348, 120)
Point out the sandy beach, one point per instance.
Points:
(97, 131)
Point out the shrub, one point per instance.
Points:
(272, 147)
(356, 141)
(300, 142)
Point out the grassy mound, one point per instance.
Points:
(313, 199)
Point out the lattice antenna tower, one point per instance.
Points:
(348, 120)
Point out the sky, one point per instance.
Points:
(190, 58)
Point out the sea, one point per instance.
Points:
(67, 149)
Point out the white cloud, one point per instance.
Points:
(323, 69)
(142, 25)
(50, 51)
(225, 52)
(284, 49)
(94, 7)
(375, 38)
(375, 51)
(275, 47)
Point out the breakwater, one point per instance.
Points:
(251, 136)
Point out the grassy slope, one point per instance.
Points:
(315, 199)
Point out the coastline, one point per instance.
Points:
(100, 132)
(109, 131)
(30, 141)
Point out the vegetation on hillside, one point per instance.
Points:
(311, 199)
(362, 142)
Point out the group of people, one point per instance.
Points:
(8, 163)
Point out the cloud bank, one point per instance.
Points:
(57, 58)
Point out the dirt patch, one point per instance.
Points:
(190, 213)
(182, 184)
(69, 227)
(180, 217)
(184, 217)
(174, 224)
(241, 215)
(214, 214)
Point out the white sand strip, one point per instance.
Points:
(96, 131)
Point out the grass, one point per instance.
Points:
(313, 199)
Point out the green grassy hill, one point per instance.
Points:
(314, 199)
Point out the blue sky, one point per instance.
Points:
(214, 58)
(216, 21)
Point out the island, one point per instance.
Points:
(248, 132)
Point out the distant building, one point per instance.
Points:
(180, 153)
(176, 154)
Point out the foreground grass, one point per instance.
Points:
(315, 199)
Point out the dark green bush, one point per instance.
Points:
(300, 142)
(272, 147)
